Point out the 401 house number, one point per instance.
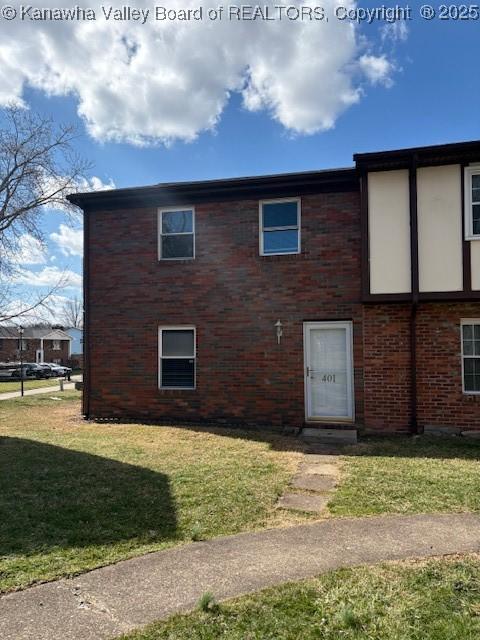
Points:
(328, 377)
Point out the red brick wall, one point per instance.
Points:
(440, 401)
(439, 369)
(233, 296)
(386, 346)
(9, 351)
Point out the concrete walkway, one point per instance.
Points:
(317, 475)
(108, 602)
(33, 392)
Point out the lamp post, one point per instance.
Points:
(20, 333)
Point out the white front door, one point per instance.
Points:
(328, 371)
(39, 355)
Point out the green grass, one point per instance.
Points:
(409, 475)
(438, 599)
(14, 385)
(77, 495)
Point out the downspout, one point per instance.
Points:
(414, 287)
(86, 316)
(413, 366)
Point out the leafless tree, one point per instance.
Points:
(33, 307)
(73, 313)
(38, 167)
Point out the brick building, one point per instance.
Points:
(39, 344)
(344, 298)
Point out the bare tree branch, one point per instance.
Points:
(73, 313)
(38, 167)
(41, 303)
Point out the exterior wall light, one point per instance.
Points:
(279, 327)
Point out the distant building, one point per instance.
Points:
(76, 335)
(39, 344)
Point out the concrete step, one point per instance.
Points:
(321, 435)
(303, 502)
(314, 482)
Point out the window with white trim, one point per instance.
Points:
(176, 233)
(22, 344)
(279, 227)
(471, 356)
(177, 353)
(472, 202)
(56, 346)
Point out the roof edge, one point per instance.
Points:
(219, 189)
(435, 154)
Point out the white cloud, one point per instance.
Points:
(29, 250)
(28, 316)
(51, 310)
(377, 69)
(48, 277)
(94, 183)
(163, 80)
(396, 31)
(51, 184)
(70, 241)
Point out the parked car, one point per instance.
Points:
(30, 370)
(58, 369)
(7, 370)
(49, 372)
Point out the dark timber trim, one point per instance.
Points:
(412, 183)
(86, 316)
(423, 296)
(454, 153)
(466, 257)
(365, 248)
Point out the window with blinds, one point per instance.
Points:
(177, 357)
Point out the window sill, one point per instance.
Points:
(288, 256)
(470, 238)
(176, 259)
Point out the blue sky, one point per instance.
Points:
(418, 87)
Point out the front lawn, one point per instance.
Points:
(409, 475)
(77, 495)
(14, 385)
(437, 599)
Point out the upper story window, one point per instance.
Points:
(22, 344)
(472, 202)
(471, 356)
(56, 345)
(279, 227)
(176, 233)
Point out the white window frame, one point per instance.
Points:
(473, 170)
(22, 344)
(161, 357)
(298, 227)
(467, 321)
(56, 345)
(183, 233)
